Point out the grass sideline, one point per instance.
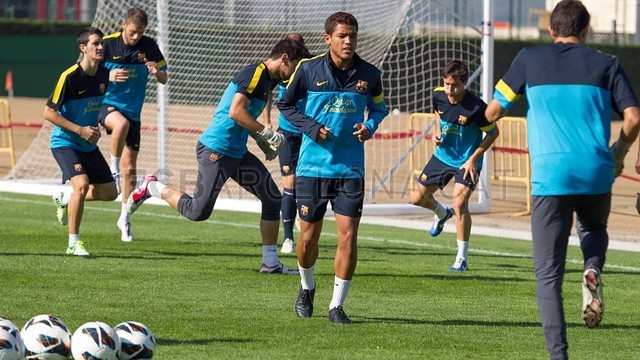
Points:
(197, 287)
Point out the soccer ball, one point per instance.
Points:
(11, 345)
(46, 337)
(95, 340)
(138, 341)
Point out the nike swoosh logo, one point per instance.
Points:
(440, 112)
(81, 92)
(116, 57)
(321, 83)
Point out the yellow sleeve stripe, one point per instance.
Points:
(256, 77)
(298, 66)
(63, 77)
(378, 99)
(506, 91)
(113, 36)
(161, 63)
(488, 127)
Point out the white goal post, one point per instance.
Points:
(207, 42)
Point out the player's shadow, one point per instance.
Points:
(450, 276)
(466, 322)
(181, 342)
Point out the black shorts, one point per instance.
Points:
(133, 136)
(91, 163)
(289, 152)
(438, 173)
(313, 194)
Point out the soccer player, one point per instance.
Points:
(340, 88)
(571, 90)
(222, 152)
(288, 158)
(460, 124)
(73, 108)
(131, 57)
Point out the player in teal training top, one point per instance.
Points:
(73, 108)
(222, 152)
(131, 57)
(572, 91)
(460, 125)
(340, 89)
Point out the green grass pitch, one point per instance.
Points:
(197, 287)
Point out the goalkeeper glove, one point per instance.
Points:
(263, 144)
(619, 150)
(275, 139)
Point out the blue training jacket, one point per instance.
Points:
(338, 107)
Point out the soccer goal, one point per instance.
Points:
(207, 42)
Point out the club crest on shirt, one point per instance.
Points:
(361, 86)
(462, 120)
(103, 87)
(304, 210)
(286, 168)
(141, 57)
(77, 167)
(214, 157)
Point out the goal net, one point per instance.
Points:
(207, 42)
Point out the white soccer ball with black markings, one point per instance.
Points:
(46, 337)
(137, 340)
(11, 346)
(95, 340)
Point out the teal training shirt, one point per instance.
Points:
(77, 97)
(461, 125)
(224, 135)
(128, 96)
(571, 91)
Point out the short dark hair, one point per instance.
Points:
(85, 33)
(295, 36)
(339, 18)
(569, 18)
(456, 69)
(294, 49)
(137, 16)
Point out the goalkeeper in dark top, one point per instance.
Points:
(222, 152)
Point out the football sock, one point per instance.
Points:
(73, 239)
(340, 289)
(67, 196)
(307, 279)
(440, 211)
(270, 255)
(115, 164)
(124, 214)
(288, 212)
(462, 249)
(155, 189)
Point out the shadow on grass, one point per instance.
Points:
(180, 342)
(464, 322)
(448, 277)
